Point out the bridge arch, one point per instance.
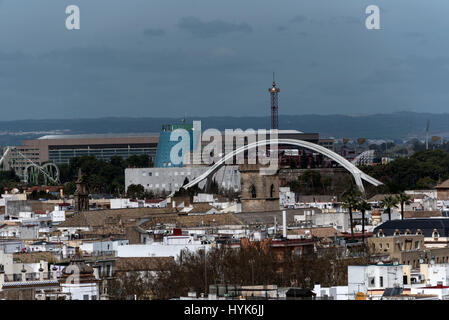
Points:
(356, 172)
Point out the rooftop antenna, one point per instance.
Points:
(274, 92)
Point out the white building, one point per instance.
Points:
(170, 247)
(334, 293)
(58, 214)
(437, 274)
(79, 282)
(372, 280)
(286, 197)
(98, 247)
(171, 179)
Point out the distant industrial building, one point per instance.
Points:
(61, 148)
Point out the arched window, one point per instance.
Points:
(380, 234)
(419, 232)
(397, 233)
(435, 234)
(408, 232)
(272, 191)
(253, 192)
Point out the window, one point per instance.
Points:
(381, 281)
(108, 270)
(253, 192)
(380, 245)
(86, 297)
(371, 282)
(272, 191)
(435, 234)
(388, 246)
(416, 244)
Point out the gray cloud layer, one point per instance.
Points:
(166, 58)
(213, 28)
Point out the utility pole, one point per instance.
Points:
(205, 272)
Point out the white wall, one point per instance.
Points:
(78, 290)
(156, 250)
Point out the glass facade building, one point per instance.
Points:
(165, 145)
(63, 154)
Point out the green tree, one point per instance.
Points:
(403, 199)
(350, 200)
(362, 205)
(136, 191)
(389, 202)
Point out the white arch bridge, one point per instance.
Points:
(356, 172)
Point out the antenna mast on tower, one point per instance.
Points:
(274, 93)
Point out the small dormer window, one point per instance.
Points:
(397, 233)
(380, 234)
(419, 232)
(435, 234)
(407, 232)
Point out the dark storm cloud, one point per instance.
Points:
(209, 29)
(154, 32)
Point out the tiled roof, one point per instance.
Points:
(319, 232)
(141, 263)
(443, 185)
(422, 214)
(181, 221)
(100, 217)
(267, 217)
(34, 257)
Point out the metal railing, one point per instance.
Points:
(30, 276)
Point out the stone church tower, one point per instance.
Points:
(81, 195)
(258, 192)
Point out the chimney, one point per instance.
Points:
(173, 204)
(284, 224)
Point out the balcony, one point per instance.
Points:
(31, 276)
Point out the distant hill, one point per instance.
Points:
(399, 125)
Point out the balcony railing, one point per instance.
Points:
(30, 276)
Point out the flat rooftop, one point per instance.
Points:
(99, 135)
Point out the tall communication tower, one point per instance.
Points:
(274, 93)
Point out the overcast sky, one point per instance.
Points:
(215, 57)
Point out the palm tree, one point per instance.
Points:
(389, 202)
(363, 206)
(350, 199)
(403, 199)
